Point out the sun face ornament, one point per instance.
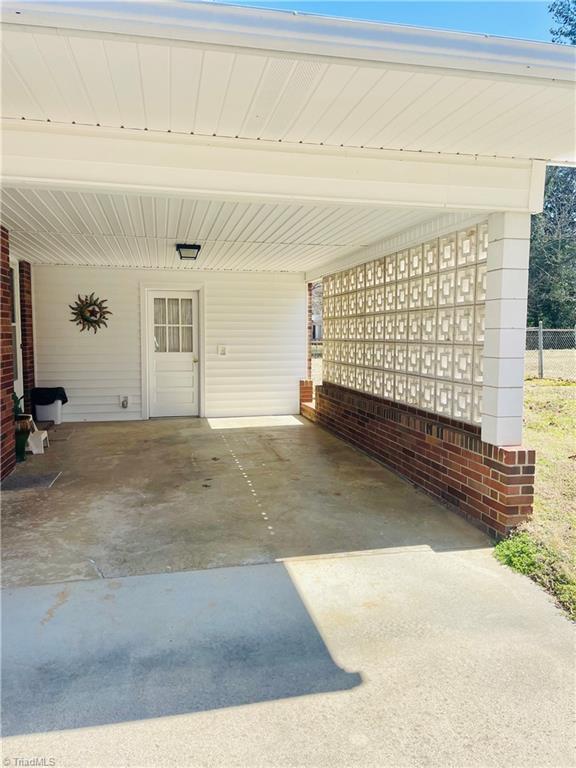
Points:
(90, 312)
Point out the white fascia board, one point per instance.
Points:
(144, 162)
(263, 29)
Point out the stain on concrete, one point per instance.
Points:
(61, 599)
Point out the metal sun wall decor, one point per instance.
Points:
(90, 312)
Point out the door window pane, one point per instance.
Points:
(160, 311)
(187, 344)
(174, 311)
(186, 308)
(160, 338)
(173, 338)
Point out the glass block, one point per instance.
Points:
(429, 325)
(379, 272)
(368, 381)
(402, 265)
(401, 357)
(430, 291)
(413, 390)
(463, 363)
(400, 388)
(389, 327)
(379, 327)
(428, 394)
(330, 286)
(360, 328)
(477, 373)
(388, 385)
(368, 355)
(467, 246)
(370, 301)
(338, 283)
(160, 338)
(444, 361)
(338, 329)
(337, 306)
(428, 360)
(481, 282)
(327, 371)
(445, 325)
(379, 299)
(465, 278)
(402, 326)
(401, 296)
(337, 351)
(173, 336)
(326, 286)
(327, 328)
(351, 353)
(447, 252)
(464, 325)
(360, 302)
(378, 355)
(359, 379)
(345, 304)
(390, 273)
(328, 306)
(389, 355)
(444, 398)
(413, 360)
(479, 320)
(446, 288)
(483, 241)
(160, 311)
(414, 326)
(359, 360)
(369, 332)
(430, 257)
(415, 291)
(377, 382)
(336, 373)
(370, 275)
(390, 297)
(345, 281)
(477, 405)
(416, 261)
(360, 277)
(186, 311)
(352, 282)
(174, 311)
(352, 303)
(462, 402)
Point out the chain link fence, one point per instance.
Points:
(550, 353)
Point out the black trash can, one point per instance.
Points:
(47, 403)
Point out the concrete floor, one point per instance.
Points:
(179, 494)
(408, 645)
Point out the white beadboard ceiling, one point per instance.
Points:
(118, 230)
(96, 77)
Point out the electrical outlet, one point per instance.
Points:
(124, 401)
(222, 350)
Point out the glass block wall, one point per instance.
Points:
(410, 326)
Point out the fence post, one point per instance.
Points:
(540, 350)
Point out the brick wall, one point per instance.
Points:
(492, 486)
(7, 456)
(27, 331)
(306, 391)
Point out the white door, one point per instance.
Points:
(173, 353)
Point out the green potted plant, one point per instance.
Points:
(22, 426)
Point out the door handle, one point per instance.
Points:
(194, 359)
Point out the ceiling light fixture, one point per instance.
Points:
(186, 251)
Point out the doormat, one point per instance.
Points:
(30, 482)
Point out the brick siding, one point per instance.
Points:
(27, 332)
(306, 391)
(492, 486)
(7, 455)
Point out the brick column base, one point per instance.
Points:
(306, 391)
(7, 441)
(492, 486)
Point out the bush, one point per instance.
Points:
(526, 555)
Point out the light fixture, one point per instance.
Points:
(186, 251)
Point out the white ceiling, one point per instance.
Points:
(56, 227)
(115, 80)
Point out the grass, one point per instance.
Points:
(545, 547)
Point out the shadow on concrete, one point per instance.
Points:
(97, 652)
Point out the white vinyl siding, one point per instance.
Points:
(259, 317)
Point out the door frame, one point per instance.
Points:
(145, 290)
(15, 267)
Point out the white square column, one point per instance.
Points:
(505, 330)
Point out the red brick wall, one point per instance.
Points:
(492, 486)
(7, 456)
(306, 391)
(27, 331)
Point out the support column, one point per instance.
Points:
(505, 330)
(27, 332)
(7, 441)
